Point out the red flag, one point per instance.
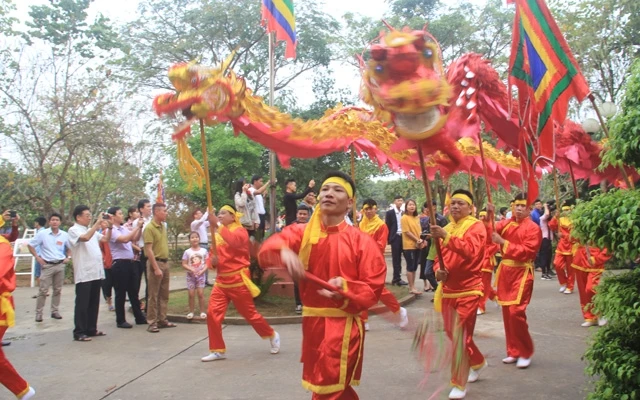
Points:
(278, 16)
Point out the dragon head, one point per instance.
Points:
(403, 76)
(202, 93)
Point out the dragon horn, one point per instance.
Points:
(391, 28)
(227, 62)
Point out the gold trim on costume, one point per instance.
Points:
(514, 264)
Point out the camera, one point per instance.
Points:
(13, 213)
(551, 205)
(106, 216)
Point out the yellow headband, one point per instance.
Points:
(520, 203)
(464, 197)
(342, 182)
(566, 208)
(367, 207)
(482, 214)
(233, 212)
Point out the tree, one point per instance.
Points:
(604, 37)
(60, 115)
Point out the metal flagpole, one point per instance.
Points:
(272, 154)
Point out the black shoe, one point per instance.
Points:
(5, 343)
(401, 283)
(56, 315)
(141, 322)
(125, 325)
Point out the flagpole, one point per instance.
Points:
(353, 177)
(573, 181)
(272, 154)
(627, 179)
(490, 214)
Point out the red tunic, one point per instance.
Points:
(598, 258)
(463, 252)
(564, 226)
(522, 242)
(233, 255)
(332, 332)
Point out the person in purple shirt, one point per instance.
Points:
(124, 270)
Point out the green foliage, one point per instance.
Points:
(610, 220)
(624, 144)
(614, 354)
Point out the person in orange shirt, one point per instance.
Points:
(459, 271)
(233, 283)
(564, 250)
(519, 239)
(488, 263)
(9, 377)
(345, 257)
(588, 264)
(373, 225)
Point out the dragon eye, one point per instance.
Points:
(194, 80)
(427, 53)
(379, 69)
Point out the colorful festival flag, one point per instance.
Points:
(160, 194)
(547, 76)
(278, 17)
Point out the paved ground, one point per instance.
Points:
(134, 364)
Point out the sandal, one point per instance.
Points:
(416, 292)
(82, 338)
(153, 329)
(167, 325)
(98, 333)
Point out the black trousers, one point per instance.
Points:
(396, 257)
(107, 284)
(545, 256)
(87, 306)
(296, 294)
(125, 283)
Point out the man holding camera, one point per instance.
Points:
(54, 256)
(544, 256)
(14, 218)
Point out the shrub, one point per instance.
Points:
(614, 354)
(610, 220)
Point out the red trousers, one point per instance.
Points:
(347, 394)
(9, 377)
(388, 299)
(566, 274)
(489, 293)
(587, 281)
(466, 309)
(242, 300)
(516, 329)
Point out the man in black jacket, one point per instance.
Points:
(392, 220)
(291, 197)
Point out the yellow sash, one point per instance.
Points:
(246, 280)
(6, 308)
(370, 226)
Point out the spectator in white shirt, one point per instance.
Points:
(88, 272)
(257, 189)
(200, 224)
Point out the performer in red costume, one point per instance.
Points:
(520, 240)
(374, 226)
(332, 331)
(488, 264)
(564, 250)
(233, 283)
(463, 246)
(588, 264)
(9, 377)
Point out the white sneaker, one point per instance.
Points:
(203, 315)
(366, 327)
(563, 288)
(213, 357)
(479, 312)
(404, 318)
(509, 360)
(275, 343)
(587, 324)
(29, 394)
(568, 291)
(457, 393)
(523, 362)
(602, 321)
(474, 374)
(190, 315)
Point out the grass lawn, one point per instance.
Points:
(268, 305)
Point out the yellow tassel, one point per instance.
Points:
(190, 169)
(437, 299)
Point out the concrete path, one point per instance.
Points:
(134, 364)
